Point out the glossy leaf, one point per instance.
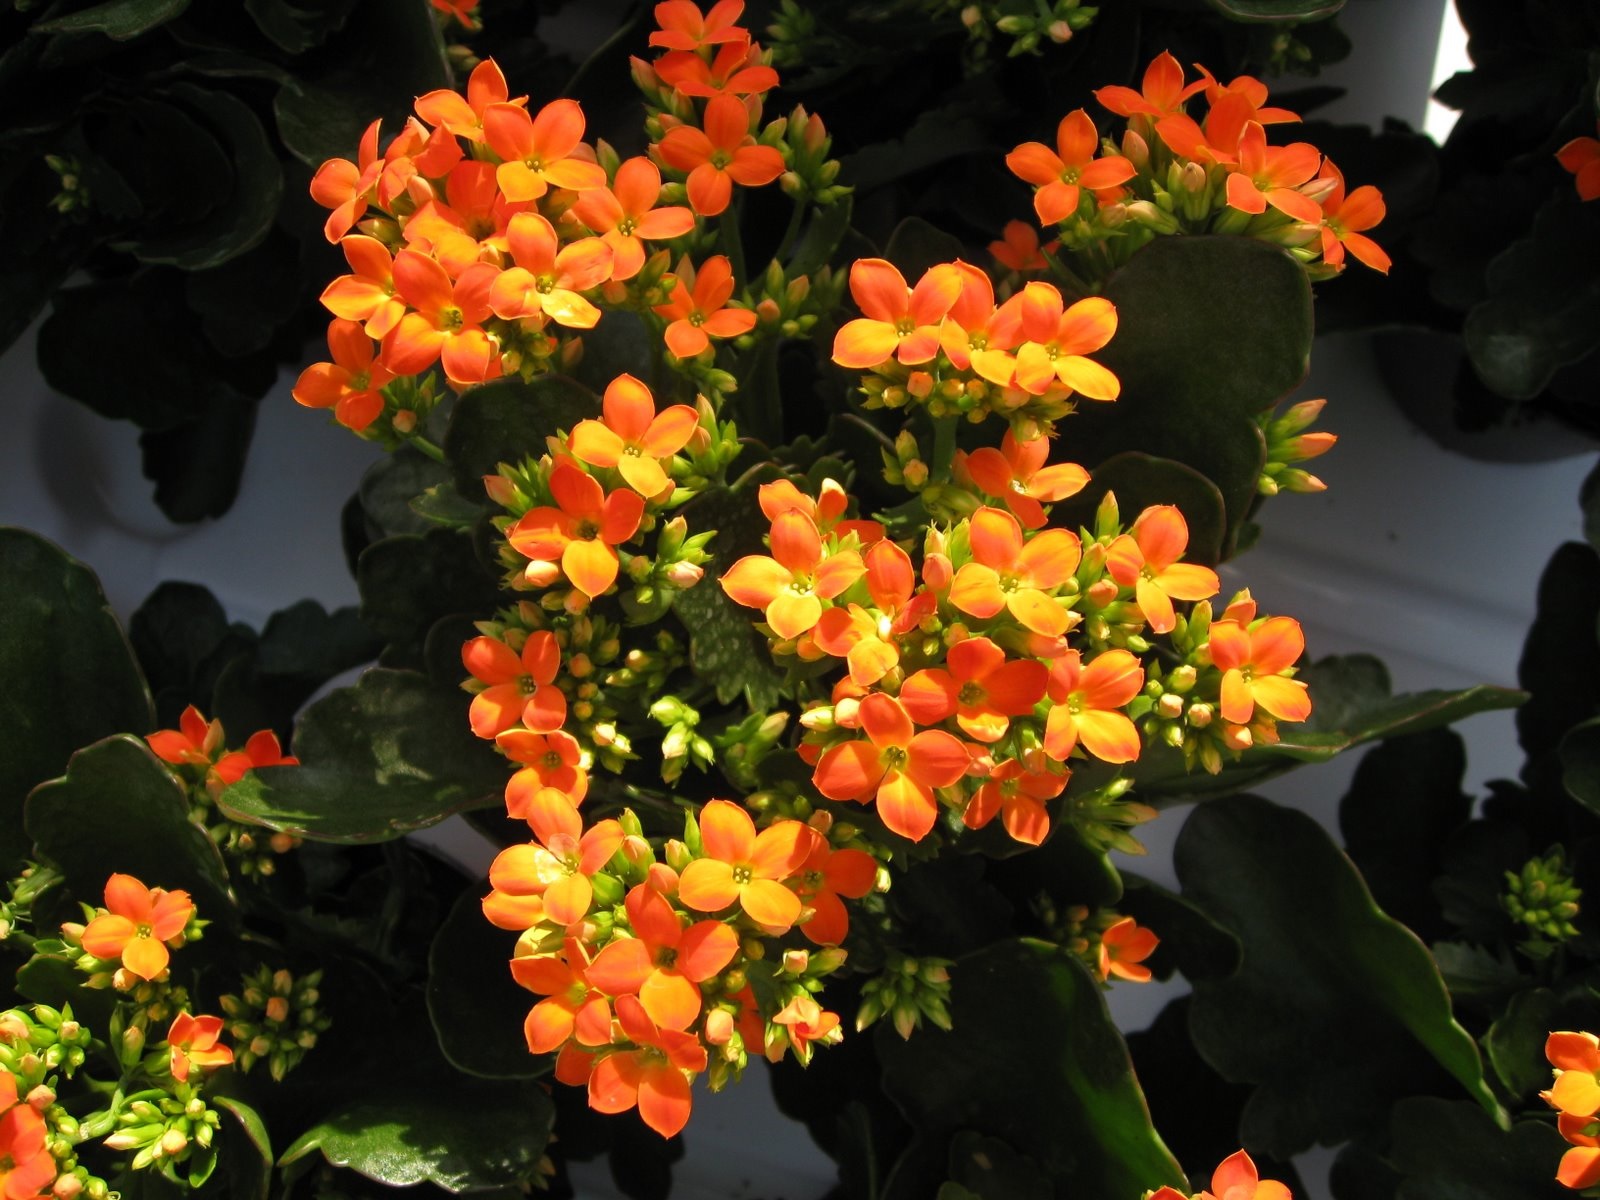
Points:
(1560, 664)
(477, 1009)
(1335, 1007)
(70, 675)
(246, 1150)
(409, 582)
(197, 465)
(118, 809)
(1450, 1150)
(990, 1075)
(507, 421)
(117, 19)
(1580, 762)
(392, 754)
(1273, 11)
(391, 484)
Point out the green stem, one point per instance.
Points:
(944, 448)
(733, 241)
(793, 231)
(419, 442)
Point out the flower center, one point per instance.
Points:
(451, 317)
(626, 226)
(586, 531)
(742, 874)
(894, 758)
(972, 693)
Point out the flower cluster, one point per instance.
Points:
(1575, 1094)
(1235, 1178)
(1172, 173)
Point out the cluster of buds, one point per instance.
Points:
(1575, 1094)
(1288, 444)
(906, 991)
(197, 754)
(39, 1047)
(275, 1019)
(1173, 174)
(1106, 942)
(1235, 1178)
(17, 908)
(164, 1132)
(1055, 23)
(1543, 898)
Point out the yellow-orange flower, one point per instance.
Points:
(790, 586)
(1146, 559)
(1007, 573)
(1060, 176)
(139, 924)
(1252, 662)
(1088, 703)
(744, 867)
(697, 308)
(582, 532)
(633, 437)
(721, 155)
(539, 151)
(901, 322)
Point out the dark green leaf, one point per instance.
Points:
(1191, 942)
(985, 1168)
(297, 29)
(947, 907)
(301, 648)
(1473, 973)
(724, 647)
(389, 755)
(1515, 1042)
(759, 402)
(622, 344)
(997, 1076)
(915, 245)
(185, 643)
(246, 1150)
(1195, 375)
(1448, 1150)
(1139, 481)
(118, 809)
(824, 231)
(117, 19)
(935, 137)
(476, 1007)
(422, 1133)
(243, 303)
(390, 485)
(1560, 664)
(1542, 310)
(408, 582)
(56, 981)
(507, 421)
(1273, 11)
(70, 675)
(1335, 1006)
(196, 465)
(1580, 761)
(442, 505)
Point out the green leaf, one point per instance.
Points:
(1141, 480)
(70, 675)
(824, 231)
(724, 648)
(246, 1150)
(1194, 375)
(1560, 664)
(409, 582)
(1191, 941)
(1542, 310)
(622, 344)
(985, 1168)
(420, 1131)
(442, 505)
(391, 484)
(196, 465)
(1515, 1042)
(117, 19)
(392, 754)
(118, 809)
(1450, 1150)
(507, 421)
(1336, 1006)
(1273, 11)
(477, 1009)
(997, 1076)
(296, 29)
(915, 245)
(1580, 763)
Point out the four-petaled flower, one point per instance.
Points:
(583, 532)
(664, 963)
(1062, 175)
(1146, 560)
(139, 924)
(625, 215)
(655, 1075)
(1008, 573)
(633, 437)
(894, 765)
(721, 155)
(1087, 703)
(697, 308)
(745, 867)
(352, 384)
(791, 585)
(1252, 662)
(1123, 949)
(982, 690)
(901, 322)
(192, 1043)
(539, 150)
(521, 687)
(549, 278)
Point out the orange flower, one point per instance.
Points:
(539, 151)
(1146, 559)
(1270, 174)
(447, 323)
(368, 293)
(1017, 476)
(895, 765)
(192, 1043)
(1017, 794)
(633, 437)
(790, 586)
(1008, 573)
(625, 216)
(194, 742)
(1345, 217)
(463, 117)
(1057, 341)
(806, 1021)
(695, 306)
(663, 964)
(1576, 1057)
(826, 875)
(1235, 1179)
(140, 923)
(550, 760)
(1581, 156)
(685, 27)
(1162, 91)
(548, 277)
(1061, 176)
(1018, 248)
(975, 334)
(982, 690)
(827, 510)
(352, 384)
(556, 868)
(461, 10)
(721, 155)
(860, 638)
(26, 1164)
(900, 322)
(655, 1076)
(571, 1010)
(736, 70)
(1088, 703)
(346, 186)
(520, 687)
(743, 866)
(1580, 1166)
(583, 531)
(1123, 947)
(261, 750)
(1251, 662)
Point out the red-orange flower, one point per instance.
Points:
(721, 155)
(895, 765)
(1236, 1179)
(520, 687)
(1581, 156)
(1061, 175)
(1017, 794)
(655, 1076)
(26, 1164)
(1162, 91)
(346, 186)
(685, 27)
(1123, 948)
(860, 637)
(1251, 661)
(826, 875)
(1576, 1057)
(463, 116)
(552, 760)
(571, 1008)
(548, 277)
(663, 964)
(1344, 218)
(696, 306)
(447, 324)
(1580, 1166)
(583, 531)
(982, 690)
(625, 216)
(367, 294)
(539, 151)
(465, 221)
(1270, 174)
(194, 742)
(140, 923)
(1057, 341)
(1146, 559)
(192, 1042)
(790, 586)
(1008, 573)
(975, 334)
(557, 868)
(744, 867)
(1019, 250)
(352, 384)
(633, 437)
(260, 750)
(900, 322)
(1088, 703)
(806, 1021)
(736, 70)
(1017, 476)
